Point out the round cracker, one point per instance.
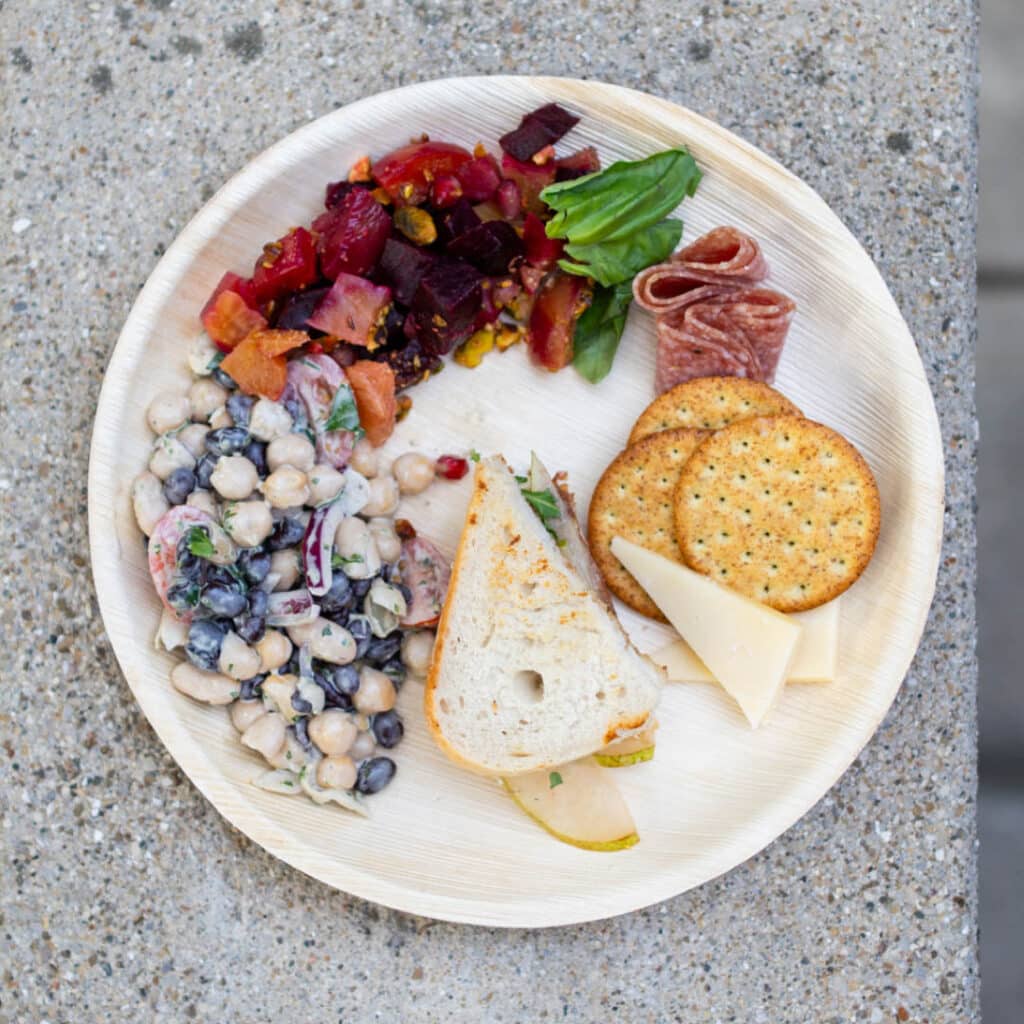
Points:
(782, 509)
(710, 403)
(635, 499)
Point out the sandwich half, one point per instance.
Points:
(531, 668)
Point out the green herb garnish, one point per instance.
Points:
(215, 361)
(554, 779)
(340, 561)
(474, 455)
(543, 503)
(599, 331)
(344, 414)
(199, 542)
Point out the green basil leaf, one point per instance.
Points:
(543, 503)
(599, 331)
(611, 263)
(344, 414)
(621, 200)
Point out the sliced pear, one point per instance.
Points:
(577, 803)
(633, 749)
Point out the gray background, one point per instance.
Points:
(123, 893)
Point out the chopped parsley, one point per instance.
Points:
(344, 415)
(339, 561)
(214, 362)
(474, 455)
(199, 542)
(554, 779)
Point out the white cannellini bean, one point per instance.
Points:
(389, 545)
(205, 397)
(167, 411)
(265, 735)
(269, 420)
(291, 756)
(193, 437)
(376, 692)
(286, 487)
(201, 353)
(294, 450)
(333, 731)
(337, 772)
(234, 477)
(384, 497)
(364, 458)
(313, 695)
(332, 643)
(148, 501)
(417, 650)
(205, 501)
(354, 542)
(245, 712)
(278, 690)
(237, 659)
(248, 523)
(303, 633)
(208, 687)
(168, 455)
(274, 649)
(221, 418)
(325, 483)
(364, 746)
(285, 565)
(413, 472)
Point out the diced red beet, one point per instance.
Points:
(402, 266)
(446, 304)
(559, 303)
(541, 127)
(508, 199)
(352, 235)
(354, 310)
(575, 165)
(531, 178)
(445, 191)
(335, 192)
(406, 173)
(541, 251)
(409, 363)
(504, 291)
(491, 247)
(480, 178)
(287, 265)
(456, 221)
(451, 467)
(293, 313)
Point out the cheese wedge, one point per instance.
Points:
(814, 660)
(747, 646)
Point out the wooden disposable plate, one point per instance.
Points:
(442, 842)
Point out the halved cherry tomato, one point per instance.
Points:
(559, 303)
(373, 385)
(406, 173)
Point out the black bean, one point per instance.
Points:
(223, 601)
(382, 650)
(287, 532)
(222, 575)
(359, 627)
(179, 485)
(345, 679)
(203, 646)
(395, 670)
(340, 598)
(252, 628)
(301, 729)
(300, 704)
(227, 440)
(361, 587)
(250, 689)
(258, 601)
(183, 596)
(297, 410)
(333, 697)
(224, 379)
(374, 774)
(240, 409)
(254, 565)
(189, 566)
(204, 470)
(291, 666)
(256, 453)
(387, 729)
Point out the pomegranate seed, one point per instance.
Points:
(315, 348)
(452, 467)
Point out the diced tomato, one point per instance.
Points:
(406, 173)
(254, 371)
(351, 235)
(559, 303)
(287, 265)
(541, 251)
(373, 385)
(354, 310)
(228, 320)
(531, 179)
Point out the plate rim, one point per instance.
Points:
(250, 820)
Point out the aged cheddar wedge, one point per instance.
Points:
(814, 660)
(746, 646)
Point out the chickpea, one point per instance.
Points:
(269, 420)
(286, 487)
(168, 455)
(417, 650)
(193, 437)
(362, 747)
(265, 735)
(413, 472)
(201, 353)
(234, 477)
(274, 650)
(248, 523)
(237, 659)
(285, 565)
(245, 712)
(364, 458)
(303, 632)
(332, 643)
(167, 411)
(208, 687)
(148, 501)
(205, 501)
(221, 418)
(294, 450)
(337, 772)
(333, 731)
(354, 542)
(205, 397)
(376, 692)
(384, 497)
(325, 483)
(389, 545)
(277, 691)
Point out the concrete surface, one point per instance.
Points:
(124, 896)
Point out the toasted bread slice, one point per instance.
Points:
(531, 668)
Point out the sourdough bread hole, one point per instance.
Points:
(528, 687)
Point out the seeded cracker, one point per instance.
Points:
(635, 499)
(781, 509)
(710, 403)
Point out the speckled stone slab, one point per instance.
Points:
(123, 895)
